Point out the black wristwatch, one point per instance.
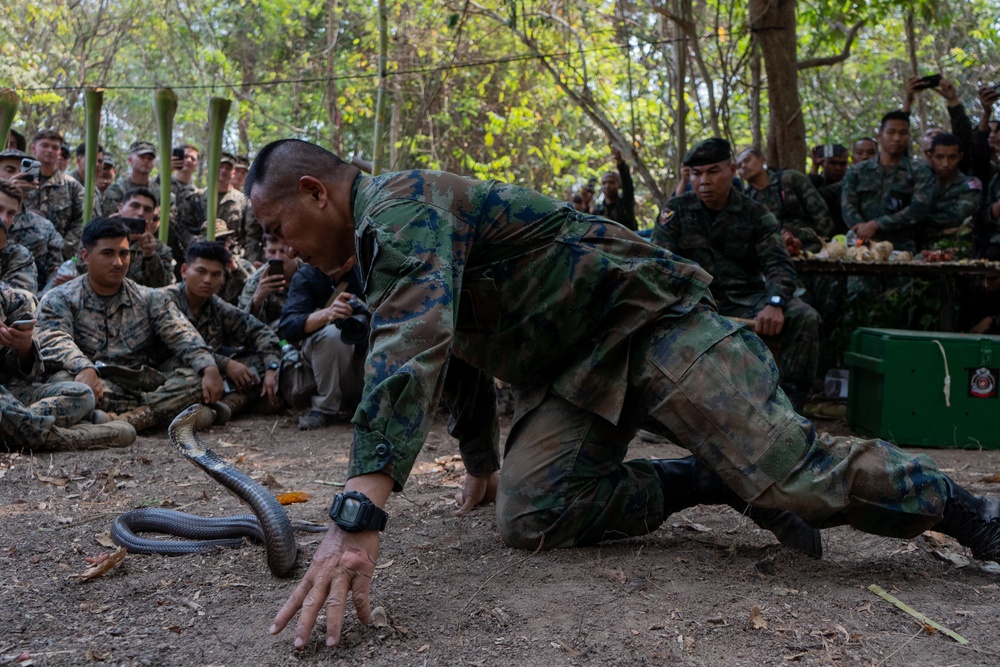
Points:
(777, 301)
(273, 366)
(354, 512)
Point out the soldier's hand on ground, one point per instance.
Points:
(343, 563)
(769, 321)
(865, 230)
(982, 326)
(270, 388)
(478, 491)
(240, 375)
(89, 377)
(211, 384)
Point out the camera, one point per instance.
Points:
(275, 267)
(930, 81)
(355, 329)
(33, 168)
(135, 225)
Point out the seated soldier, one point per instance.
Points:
(152, 262)
(314, 307)
(265, 293)
(106, 331)
(238, 270)
(739, 242)
(246, 350)
(790, 196)
(30, 229)
(955, 197)
(17, 264)
(40, 417)
(832, 160)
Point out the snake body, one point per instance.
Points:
(268, 524)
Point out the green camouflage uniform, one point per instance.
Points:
(28, 410)
(155, 271)
(60, 200)
(138, 329)
(622, 210)
(600, 333)
(115, 194)
(270, 311)
(798, 206)
(830, 192)
(17, 267)
(741, 247)
(951, 204)
(885, 194)
(230, 332)
(40, 237)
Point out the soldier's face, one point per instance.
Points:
(47, 151)
(203, 277)
(863, 150)
(9, 207)
(834, 169)
(750, 165)
(141, 207)
(239, 177)
(225, 175)
(190, 160)
(944, 161)
(610, 184)
(712, 183)
(9, 167)
(107, 263)
(894, 138)
(274, 250)
(142, 164)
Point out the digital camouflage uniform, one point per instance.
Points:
(741, 247)
(270, 311)
(600, 333)
(60, 201)
(873, 191)
(798, 206)
(951, 204)
(138, 329)
(40, 237)
(17, 267)
(230, 332)
(28, 410)
(155, 271)
(115, 194)
(621, 210)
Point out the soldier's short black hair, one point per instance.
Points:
(103, 228)
(898, 114)
(945, 139)
(65, 152)
(47, 133)
(274, 161)
(267, 238)
(141, 191)
(210, 250)
(81, 150)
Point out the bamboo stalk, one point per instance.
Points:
(94, 98)
(8, 109)
(218, 109)
(383, 50)
(165, 105)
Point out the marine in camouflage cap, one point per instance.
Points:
(600, 331)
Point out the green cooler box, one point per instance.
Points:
(925, 388)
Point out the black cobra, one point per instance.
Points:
(268, 524)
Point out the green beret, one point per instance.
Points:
(708, 151)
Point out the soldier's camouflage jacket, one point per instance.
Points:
(509, 283)
(60, 200)
(951, 204)
(223, 325)
(17, 267)
(40, 237)
(873, 191)
(15, 304)
(155, 271)
(741, 247)
(797, 204)
(140, 326)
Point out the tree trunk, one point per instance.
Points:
(332, 110)
(380, 99)
(756, 134)
(773, 22)
(683, 8)
(911, 47)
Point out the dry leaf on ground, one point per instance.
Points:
(101, 565)
(757, 619)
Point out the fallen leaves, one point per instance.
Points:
(100, 565)
(54, 481)
(292, 497)
(758, 620)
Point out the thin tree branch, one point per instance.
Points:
(832, 60)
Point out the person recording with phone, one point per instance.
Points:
(961, 126)
(265, 293)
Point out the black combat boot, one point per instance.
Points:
(686, 483)
(972, 520)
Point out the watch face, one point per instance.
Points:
(350, 508)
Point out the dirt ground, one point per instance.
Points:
(708, 588)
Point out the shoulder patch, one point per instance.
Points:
(975, 184)
(665, 215)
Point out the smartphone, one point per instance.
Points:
(135, 225)
(23, 325)
(275, 267)
(178, 153)
(33, 168)
(929, 81)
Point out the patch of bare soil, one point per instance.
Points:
(707, 588)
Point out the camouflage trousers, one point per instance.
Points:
(28, 411)
(181, 389)
(799, 340)
(710, 387)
